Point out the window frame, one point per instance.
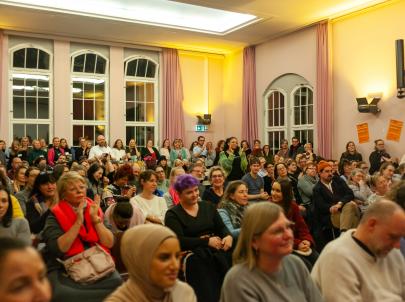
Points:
(289, 123)
(40, 72)
(156, 82)
(96, 76)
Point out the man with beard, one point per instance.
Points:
(365, 264)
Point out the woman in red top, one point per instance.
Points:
(75, 224)
(282, 194)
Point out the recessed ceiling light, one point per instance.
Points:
(162, 13)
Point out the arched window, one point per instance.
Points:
(141, 99)
(289, 111)
(275, 112)
(31, 92)
(89, 95)
(303, 126)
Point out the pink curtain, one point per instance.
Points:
(1, 68)
(324, 92)
(173, 118)
(249, 106)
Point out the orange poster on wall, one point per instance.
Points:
(362, 133)
(394, 130)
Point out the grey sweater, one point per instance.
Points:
(19, 229)
(291, 284)
(346, 272)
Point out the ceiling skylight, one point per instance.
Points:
(152, 12)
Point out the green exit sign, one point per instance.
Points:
(201, 128)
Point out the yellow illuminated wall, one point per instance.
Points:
(212, 84)
(364, 63)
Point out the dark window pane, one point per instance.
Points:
(310, 114)
(151, 70)
(276, 100)
(43, 62)
(43, 108)
(19, 58)
(79, 63)
(130, 134)
(77, 109)
(43, 89)
(18, 130)
(270, 118)
(296, 99)
(18, 107)
(276, 118)
(311, 136)
(130, 92)
(43, 132)
(88, 110)
(140, 92)
(30, 88)
(31, 107)
(89, 133)
(77, 132)
(282, 117)
(303, 96)
(78, 90)
(270, 101)
(141, 70)
(131, 68)
(100, 66)
(310, 96)
(140, 136)
(130, 111)
(304, 115)
(31, 130)
(281, 100)
(140, 112)
(90, 63)
(32, 58)
(18, 87)
(297, 116)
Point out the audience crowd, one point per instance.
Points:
(213, 222)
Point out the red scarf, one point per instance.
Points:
(66, 217)
(175, 196)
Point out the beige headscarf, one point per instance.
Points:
(138, 247)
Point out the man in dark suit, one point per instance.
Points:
(334, 208)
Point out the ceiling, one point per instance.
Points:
(278, 17)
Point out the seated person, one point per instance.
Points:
(22, 273)
(163, 182)
(200, 230)
(43, 197)
(379, 185)
(75, 224)
(255, 182)
(153, 207)
(171, 197)
(9, 225)
(152, 255)
(233, 206)
(361, 191)
(334, 208)
(264, 268)
(215, 192)
(364, 264)
(24, 195)
(122, 216)
(282, 194)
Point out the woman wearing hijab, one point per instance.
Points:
(151, 254)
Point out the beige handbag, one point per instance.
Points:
(90, 265)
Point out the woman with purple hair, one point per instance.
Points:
(200, 230)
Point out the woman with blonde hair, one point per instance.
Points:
(264, 266)
(75, 224)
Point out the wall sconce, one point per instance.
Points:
(365, 107)
(204, 120)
